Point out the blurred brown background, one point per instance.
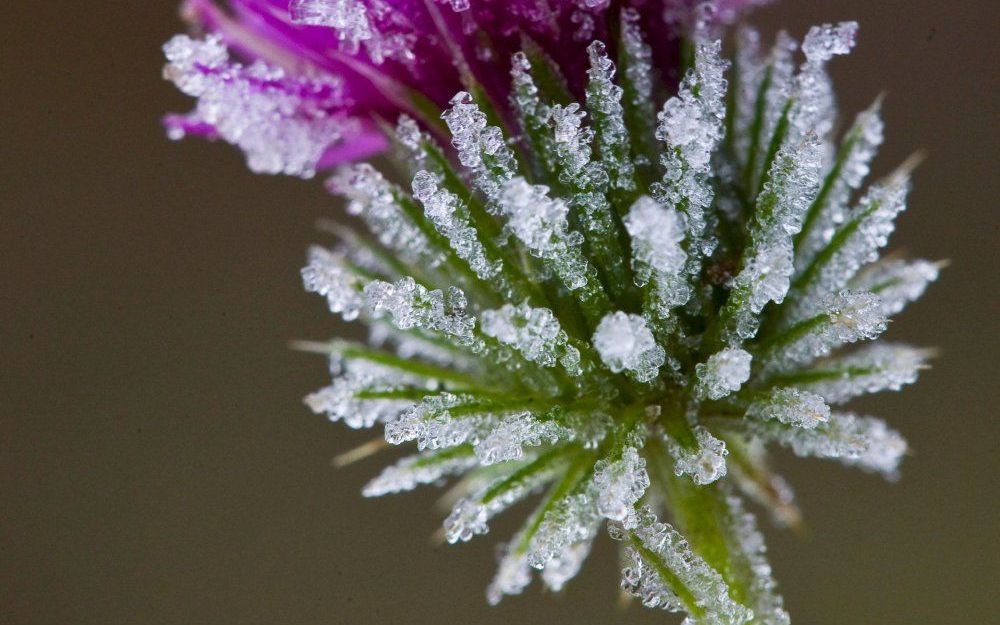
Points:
(157, 465)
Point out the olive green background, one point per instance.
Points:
(156, 462)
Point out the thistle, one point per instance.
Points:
(614, 311)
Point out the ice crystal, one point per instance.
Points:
(620, 485)
(507, 440)
(792, 407)
(413, 471)
(871, 369)
(723, 373)
(280, 122)
(625, 343)
(616, 311)
(865, 442)
(692, 586)
(704, 462)
(535, 332)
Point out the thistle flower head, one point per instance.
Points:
(301, 85)
(614, 312)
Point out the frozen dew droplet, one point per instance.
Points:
(413, 471)
(704, 464)
(723, 373)
(507, 440)
(625, 343)
(792, 407)
(619, 485)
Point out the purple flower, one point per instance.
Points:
(314, 77)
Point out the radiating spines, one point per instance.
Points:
(662, 571)
(897, 282)
(813, 107)
(691, 126)
(339, 401)
(449, 215)
(791, 406)
(703, 460)
(481, 148)
(326, 275)
(541, 224)
(282, 123)
(412, 305)
(658, 256)
(637, 76)
(865, 442)
(854, 244)
(430, 423)
(847, 317)
(620, 484)
(570, 521)
(535, 332)
(377, 202)
(604, 103)
(723, 373)
(625, 343)
(767, 260)
(750, 70)
(507, 440)
(470, 515)
(851, 166)
(767, 605)
(870, 369)
(427, 468)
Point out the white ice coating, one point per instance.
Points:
(657, 233)
(705, 464)
(512, 577)
(535, 332)
(469, 516)
(625, 343)
(639, 65)
(326, 276)
(897, 282)
(571, 521)
(860, 144)
(374, 199)
(768, 606)
(847, 317)
(619, 485)
(868, 229)
(411, 305)
(723, 373)
(604, 101)
(481, 148)
(813, 106)
(871, 369)
(507, 440)
(691, 125)
(865, 442)
(430, 423)
(338, 401)
(282, 124)
(750, 69)
(355, 27)
(781, 207)
(641, 578)
(450, 217)
(781, 61)
(792, 407)
(540, 223)
(412, 471)
(565, 565)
